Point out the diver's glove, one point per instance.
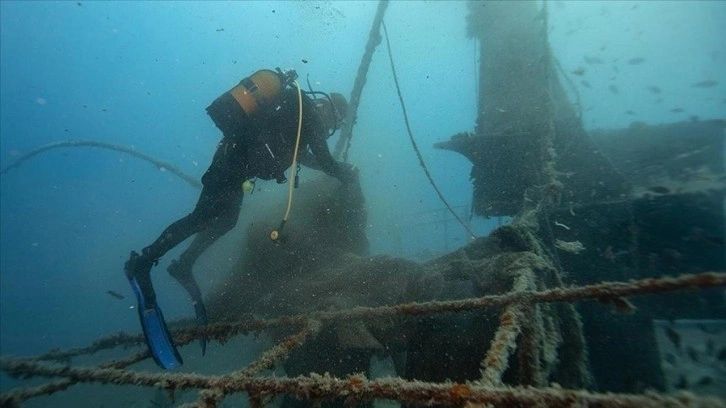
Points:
(347, 173)
(158, 339)
(183, 274)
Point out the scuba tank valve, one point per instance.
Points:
(287, 77)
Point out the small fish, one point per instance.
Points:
(716, 241)
(654, 89)
(659, 189)
(115, 294)
(674, 337)
(677, 110)
(682, 383)
(721, 356)
(629, 112)
(710, 347)
(219, 30)
(586, 84)
(702, 236)
(702, 327)
(614, 89)
(304, 61)
(578, 71)
(692, 354)
(593, 60)
(705, 380)
(636, 61)
(710, 83)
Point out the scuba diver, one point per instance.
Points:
(264, 120)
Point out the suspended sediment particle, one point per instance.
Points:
(593, 60)
(710, 83)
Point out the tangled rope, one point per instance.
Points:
(357, 388)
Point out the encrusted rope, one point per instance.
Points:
(357, 387)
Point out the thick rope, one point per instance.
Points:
(605, 292)
(358, 388)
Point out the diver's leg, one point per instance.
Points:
(139, 265)
(181, 269)
(221, 191)
(223, 176)
(204, 240)
(138, 271)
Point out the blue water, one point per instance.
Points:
(140, 74)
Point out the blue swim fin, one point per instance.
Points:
(156, 333)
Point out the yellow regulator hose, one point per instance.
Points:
(275, 234)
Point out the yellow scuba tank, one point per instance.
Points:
(231, 110)
(257, 90)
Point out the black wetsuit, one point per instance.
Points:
(261, 146)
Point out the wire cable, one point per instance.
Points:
(413, 141)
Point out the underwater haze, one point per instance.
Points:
(140, 75)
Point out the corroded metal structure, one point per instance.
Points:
(638, 202)
(528, 137)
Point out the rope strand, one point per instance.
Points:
(413, 141)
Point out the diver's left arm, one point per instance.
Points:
(321, 159)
